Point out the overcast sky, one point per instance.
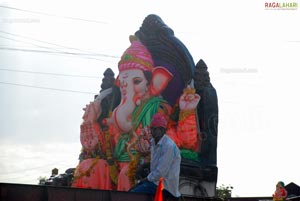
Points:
(53, 55)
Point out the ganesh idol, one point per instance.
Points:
(123, 139)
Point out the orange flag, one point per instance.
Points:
(160, 188)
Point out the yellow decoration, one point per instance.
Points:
(132, 169)
(184, 114)
(87, 173)
(189, 90)
(113, 172)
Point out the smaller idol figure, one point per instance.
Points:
(280, 192)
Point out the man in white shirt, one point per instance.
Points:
(165, 161)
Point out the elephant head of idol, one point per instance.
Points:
(138, 80)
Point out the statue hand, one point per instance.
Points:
(143, 143)
(189, 99)
(92, 111)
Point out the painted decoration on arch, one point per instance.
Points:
(156, 74)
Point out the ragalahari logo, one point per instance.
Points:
(281, 5)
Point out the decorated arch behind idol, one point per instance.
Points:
(156, 74)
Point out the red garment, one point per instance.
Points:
(92, 173)
(280, 194)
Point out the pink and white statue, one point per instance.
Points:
(155, 76)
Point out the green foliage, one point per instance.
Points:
(224, 191)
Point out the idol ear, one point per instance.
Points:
(160, 79)
(117, 82)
